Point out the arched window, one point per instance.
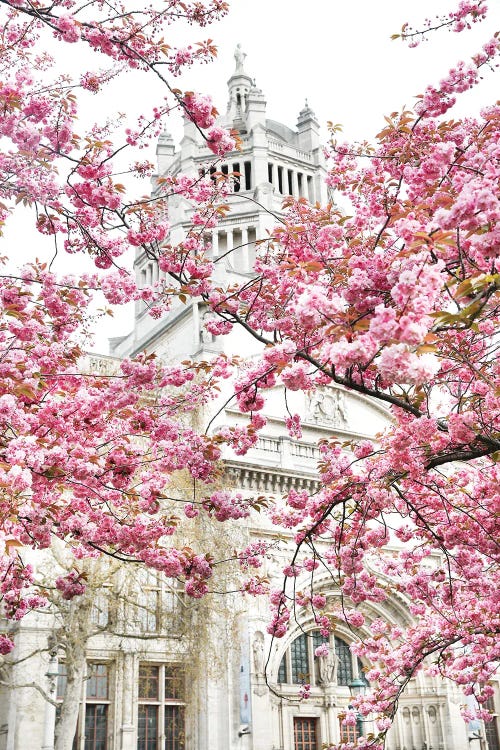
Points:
(299, 665)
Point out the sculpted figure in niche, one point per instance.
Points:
(258, 654)
(328, 667)
(338, 406)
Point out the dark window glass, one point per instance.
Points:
(300, 666)
(361, 673)
(318, 639)
(280, 180)
(344, 670)
(491, 727)
(282, 671)
(148, 682)
(147, 728)
(248, 175)
(174, 728)
(96, 723)
(62, 680)
(237, 176)
(174, 682)
(310, 188)
(97, 683)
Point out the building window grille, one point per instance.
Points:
(96, 707)
(100, 608)
(299, 665)
(305, 733)
(94, 712)
(491, 727)
(161, 712)
(62, 681)
(282, 671)
(159, 603)
(348, 733)
(299, 658)
(96, 724)
(148, 602)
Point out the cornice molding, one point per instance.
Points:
(268, 479)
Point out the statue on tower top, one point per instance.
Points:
(239, 56)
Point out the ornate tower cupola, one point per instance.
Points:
(308, 129)
(239, 85)
(256, 107)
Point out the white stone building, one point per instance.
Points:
(140, 693)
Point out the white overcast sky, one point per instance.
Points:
(336, 53)
(339, 55)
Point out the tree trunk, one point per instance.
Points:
(66, 726)
(76, 634)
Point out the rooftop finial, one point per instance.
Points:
(239, 56)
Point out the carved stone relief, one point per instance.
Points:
(327, 406)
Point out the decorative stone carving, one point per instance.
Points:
(258, 654)
(327, 406)
(205, 336)
(328, 666)
(101, 365)
(239, 56)
(276, 483)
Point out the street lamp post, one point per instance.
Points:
(358, 687)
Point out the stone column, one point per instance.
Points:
(433, 718)
(333, 724)
(426, 727)
(398, 728)
(197, 331)
(407, 736)
(229, 248)
(441, 734)
(416, 716)
(215, 243)
(127, 728)
(245, 249)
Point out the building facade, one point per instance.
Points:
(157, 676)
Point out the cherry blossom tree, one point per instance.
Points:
(394, 295)
(87, 455)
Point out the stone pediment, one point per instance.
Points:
(326, 410)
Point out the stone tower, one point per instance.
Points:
(275, 161)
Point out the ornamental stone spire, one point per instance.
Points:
(239, 85)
